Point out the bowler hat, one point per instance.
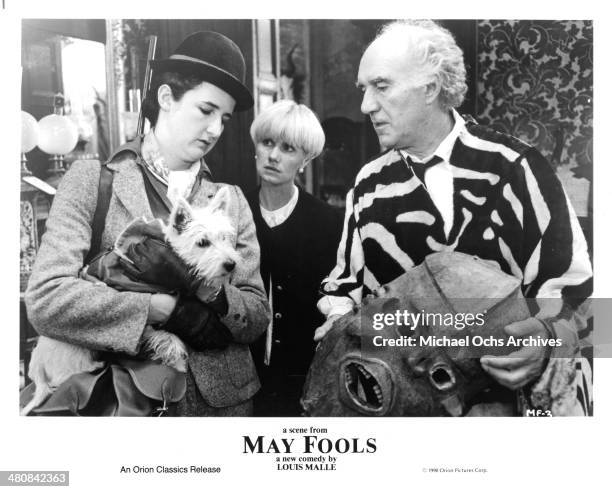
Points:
(216, 58)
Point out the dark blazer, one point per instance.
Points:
(62, 305)
(296, 256)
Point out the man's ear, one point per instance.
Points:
(221, 200)
(164, 97)
(181, 214)
(432, 90)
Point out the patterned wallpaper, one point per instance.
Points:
(536, 83)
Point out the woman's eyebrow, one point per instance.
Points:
(210, 104)
(217, 107)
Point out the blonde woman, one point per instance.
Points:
(298, 235)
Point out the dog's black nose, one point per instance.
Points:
(229, 265)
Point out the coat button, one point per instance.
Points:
(276, 341)
(279, 287)
(278, 315)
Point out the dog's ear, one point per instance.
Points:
(220, 202)
(181, 215)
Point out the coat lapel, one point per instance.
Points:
(128, 187)
(128, 182)
(202, 193)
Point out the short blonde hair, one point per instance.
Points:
(292, 123)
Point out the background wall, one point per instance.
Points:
(535, 81)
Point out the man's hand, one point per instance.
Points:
(322, 330)
(153, 262)
(519, 368)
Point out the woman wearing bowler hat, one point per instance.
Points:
(193, 94)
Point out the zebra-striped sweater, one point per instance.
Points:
(507, 206)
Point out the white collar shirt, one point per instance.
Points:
(276, 217)
(439, 178)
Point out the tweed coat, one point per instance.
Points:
(63, 306)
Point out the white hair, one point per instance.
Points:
(434, 48)
(292, 123)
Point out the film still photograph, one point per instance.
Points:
(316, 218)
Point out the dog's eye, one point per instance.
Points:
(203, 243)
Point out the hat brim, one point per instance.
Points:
(211, 74)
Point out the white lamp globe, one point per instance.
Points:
(58, 135)
(29, 132)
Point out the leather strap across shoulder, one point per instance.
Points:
(105, 190)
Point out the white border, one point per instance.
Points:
(559, 454)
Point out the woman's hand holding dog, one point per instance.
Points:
(153, 262)
(194, 322)
(198, 326)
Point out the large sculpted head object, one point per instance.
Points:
(366, 365)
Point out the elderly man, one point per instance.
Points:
(443, 183)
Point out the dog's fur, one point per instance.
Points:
(203, 239)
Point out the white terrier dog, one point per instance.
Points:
(202, 238)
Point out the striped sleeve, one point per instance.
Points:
(343, 287)
(557, 263)
(559, 259)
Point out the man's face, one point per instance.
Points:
(393, 96)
